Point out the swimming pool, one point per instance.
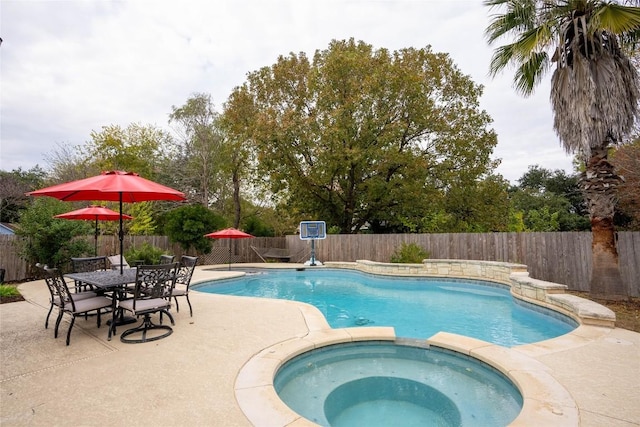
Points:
(415, 307)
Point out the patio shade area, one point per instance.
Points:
(191, 375)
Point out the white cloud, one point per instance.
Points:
(70, 67)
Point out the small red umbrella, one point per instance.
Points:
(229, 233)
(120, 186)
(94, 213)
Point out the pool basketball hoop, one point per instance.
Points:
(313, 230)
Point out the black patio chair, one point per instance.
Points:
(73, 303)
(115, 260)
(166, 259)
(82, 265)
(183, 280)
(54, 296)
(153, 289)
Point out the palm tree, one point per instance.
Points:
(595, 93)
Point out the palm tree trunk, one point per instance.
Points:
(599, 184)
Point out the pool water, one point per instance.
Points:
(385, 384)
(415, 307)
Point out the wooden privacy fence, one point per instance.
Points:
(556, 257)
(15, 268)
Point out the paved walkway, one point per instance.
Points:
(188, 378)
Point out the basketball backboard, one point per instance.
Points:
(312, 230)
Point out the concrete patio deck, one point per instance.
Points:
(190, 378)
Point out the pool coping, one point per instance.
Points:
(545, 400)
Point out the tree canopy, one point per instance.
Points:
(199, 152)
(358, 136)
(549, 201)
(187, 226)
(13, 186)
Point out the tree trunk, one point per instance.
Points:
(606, 281)
(599, 184)
(236, 199)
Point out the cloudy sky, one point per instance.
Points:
(69, 67)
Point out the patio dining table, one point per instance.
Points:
(110, 281)
(106, 279)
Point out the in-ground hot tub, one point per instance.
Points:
(382, 383)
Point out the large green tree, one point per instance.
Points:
(136, 148)
(200, 159)
(143, 149)
(358, 135)
(236, 121)
(13, 186)
(549, 201)
(595, 90)
(476, 207)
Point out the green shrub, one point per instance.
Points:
(48, 240)
(409, 253)
(334, 229)
(187, 226)
(146, 254)
(9, 291)
(257, 227)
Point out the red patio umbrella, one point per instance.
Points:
(117, 186)
(229, 233)
(94, 213)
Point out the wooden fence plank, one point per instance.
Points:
(14, 266)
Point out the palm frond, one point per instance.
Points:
(594, 102)
(499, 26)
(535, 39)
(492, 3)
(617, 19)
(524, 50)
(500, 59)
(520, 16)
(531, 72)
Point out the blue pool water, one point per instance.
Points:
(415, 307)
(384, 384)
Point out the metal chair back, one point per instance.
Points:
(154, 281)
(81, 265)
(56, 281)
(166, 259)
(185, 272)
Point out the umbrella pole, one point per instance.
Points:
(230, 254)
(121, 235)
(96, 237)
